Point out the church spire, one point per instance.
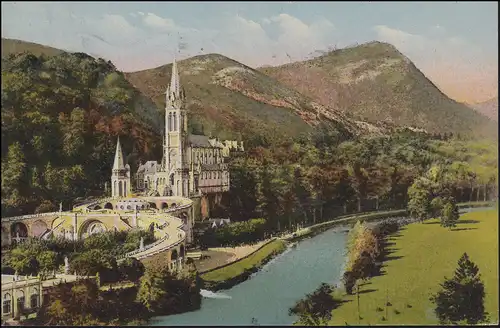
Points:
(175, 85)
(118, 164)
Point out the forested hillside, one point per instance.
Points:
(60, 119)
(317, 179)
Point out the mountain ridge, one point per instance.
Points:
(488, 108)
(231, 100)
(375, 81)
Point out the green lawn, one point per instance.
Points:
(239, 267)
(423, 255)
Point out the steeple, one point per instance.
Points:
(175, 85)
(118, 164)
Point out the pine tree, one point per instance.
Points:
(462, 297)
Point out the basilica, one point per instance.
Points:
(192, 165)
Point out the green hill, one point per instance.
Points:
(13, 46)
(60, 118)
(375, 82)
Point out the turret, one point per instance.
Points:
(120, 175)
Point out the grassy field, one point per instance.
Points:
(423, 254)
(239, 267)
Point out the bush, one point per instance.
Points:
(234, 234)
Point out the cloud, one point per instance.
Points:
(155, 21)
(140, 40)
(458, 66)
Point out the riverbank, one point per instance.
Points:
(349, 219)
(229, 275)
(219, 256)
(238, 273)
(421, 255)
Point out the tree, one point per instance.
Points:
(349, 279)
(316, 308)
(419, 205)
(47, 260)
(131, 269)
(449, 214)
(462, 297)
(151, 292)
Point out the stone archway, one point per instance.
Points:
(97, 207)
(152, 205)
(91, 227)
(174, 255)
(38, 228)
(19, 229)
(108, 206)
(6, 303)
(181, 251)
(5, 237)
(164, 206)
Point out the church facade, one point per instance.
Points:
(192, 165)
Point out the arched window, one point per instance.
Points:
(170, 122)
(6, 308)
(34, 299)
(20, 300)
(175, 122)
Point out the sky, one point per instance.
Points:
(455, 44)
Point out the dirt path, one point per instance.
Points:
(222, 255)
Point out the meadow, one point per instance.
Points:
(422, 254)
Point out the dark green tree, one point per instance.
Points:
(462, 297)
(316, 308)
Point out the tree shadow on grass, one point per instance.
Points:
(391, 258)
(461, 229)
(391, 251)
(366, 291)
(467, 221)
(433, 222)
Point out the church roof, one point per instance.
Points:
(199, 141)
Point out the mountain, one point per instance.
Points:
(375, 82)
(13, 46)
(231, 100)
(488, 108)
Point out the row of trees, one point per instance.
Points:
(363, 251)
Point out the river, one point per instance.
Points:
(269, 293)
